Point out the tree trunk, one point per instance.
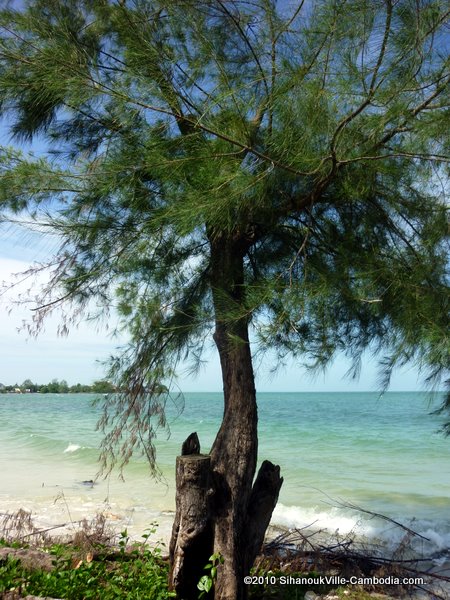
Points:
(237, 514)
(191, 543)
(235, 450)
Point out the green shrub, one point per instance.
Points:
(133, 573)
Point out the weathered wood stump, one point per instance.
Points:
(263, 500)
(191, 543)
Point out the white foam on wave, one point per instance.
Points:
(342, 522)
(72, 448)
(440, 539)
(295, 517)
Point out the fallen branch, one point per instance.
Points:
(382, 517)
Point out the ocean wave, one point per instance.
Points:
(432, 539)
(72, 448)
(295, 517)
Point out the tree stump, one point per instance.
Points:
(262, 502)
(191, 543)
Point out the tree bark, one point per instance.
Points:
(191, 543)
(262, 502)
(234, 453)
(232, 519)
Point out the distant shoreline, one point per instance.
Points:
(10, 389)
(58, 387)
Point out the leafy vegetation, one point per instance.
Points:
(137, 573)
(58, 387)
(249, 173)
(206, 582)
(134, 573)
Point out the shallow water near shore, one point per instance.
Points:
(384, 455)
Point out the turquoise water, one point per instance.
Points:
(382, 454)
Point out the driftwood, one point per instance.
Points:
(303, 550)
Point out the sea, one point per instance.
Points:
(354, 464)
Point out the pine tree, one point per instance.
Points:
(219, 168)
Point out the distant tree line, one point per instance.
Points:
(58, 387)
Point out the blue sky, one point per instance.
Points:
(78, 357)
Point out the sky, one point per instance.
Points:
(79, 356)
